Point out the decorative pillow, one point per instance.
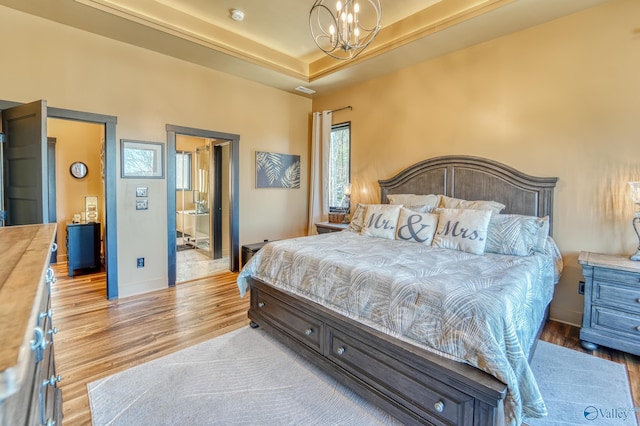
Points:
(416, 227)
(381, 221)
(516, 235)
(457, 203)
(357, 219)
(430, 200)
(462, 229)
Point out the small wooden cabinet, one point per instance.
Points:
(611, 302)
(83, 246)
(325, 227)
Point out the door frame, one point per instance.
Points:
(234, 187)
(110, 159)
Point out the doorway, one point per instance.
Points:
(38, 126)
(205, 190)
(202, 208)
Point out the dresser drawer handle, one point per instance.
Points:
(340, 350)
(38, 337)
(260, 304)
(52, 381)
(308, 331)
(439, 406)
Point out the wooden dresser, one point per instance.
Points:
(611, 302)
(28, 381)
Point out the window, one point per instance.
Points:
(339, 166)
(183, 170)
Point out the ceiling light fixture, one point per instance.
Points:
(237, 15)
(345, 33)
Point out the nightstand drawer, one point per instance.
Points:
(604, 274)
(608, 293)
(615, 320)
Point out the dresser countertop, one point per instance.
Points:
(25, 254)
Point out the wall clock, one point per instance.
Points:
(78, 169)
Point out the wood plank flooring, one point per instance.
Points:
(98, 337)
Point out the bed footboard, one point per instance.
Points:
(412, 384)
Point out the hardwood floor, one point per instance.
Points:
(98, 337)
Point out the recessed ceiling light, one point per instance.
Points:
(305, 90)
(236, 15)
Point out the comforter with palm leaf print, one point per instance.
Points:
(480, 309)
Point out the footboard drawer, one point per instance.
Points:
(305, 328)
(429, 398)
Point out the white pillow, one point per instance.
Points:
(462, 229)
(416, 227)
(357, 219)
(457, 203)
(381, 221)
(517, 235)
(430, 200)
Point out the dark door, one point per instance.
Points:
(51, 189)
(25, 151)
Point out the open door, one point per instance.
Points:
(26, 199)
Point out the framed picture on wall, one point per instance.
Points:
(141, 160)
(275, 170)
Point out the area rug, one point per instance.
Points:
(246, 378)
(580, 389)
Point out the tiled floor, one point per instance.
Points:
(194, 263)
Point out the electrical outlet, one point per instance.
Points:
(140, 262)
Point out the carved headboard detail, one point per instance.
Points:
(475, 178)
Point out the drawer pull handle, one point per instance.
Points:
(52, 331)
(52, 381)
(54, 247)
(308, 331)
(38, 337)
(439, 406)
(260, 304)
(638, 300)
(638, 328)
(340, 350)
(47, 314)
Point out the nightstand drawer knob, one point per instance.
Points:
(308, 331)
(340, 350)
(439, 406)
(261, 305)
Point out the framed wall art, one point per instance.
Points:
(275, 170)
(141, 160)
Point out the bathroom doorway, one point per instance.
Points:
(200, 231)
(202, 203)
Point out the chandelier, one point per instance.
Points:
(347, 30)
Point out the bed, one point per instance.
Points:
(396, 360)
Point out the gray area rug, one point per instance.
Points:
(580, 389)
(246, 378)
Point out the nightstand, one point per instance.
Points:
(248, 250)
(324, 227)
(611, 302)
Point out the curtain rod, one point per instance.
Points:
(349, 107)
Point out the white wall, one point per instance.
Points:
(145, 90)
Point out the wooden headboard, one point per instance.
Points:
(475, 178)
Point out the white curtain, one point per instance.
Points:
(318, 176)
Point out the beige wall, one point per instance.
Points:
(76, 70)
(560, 99)
(76, 141)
